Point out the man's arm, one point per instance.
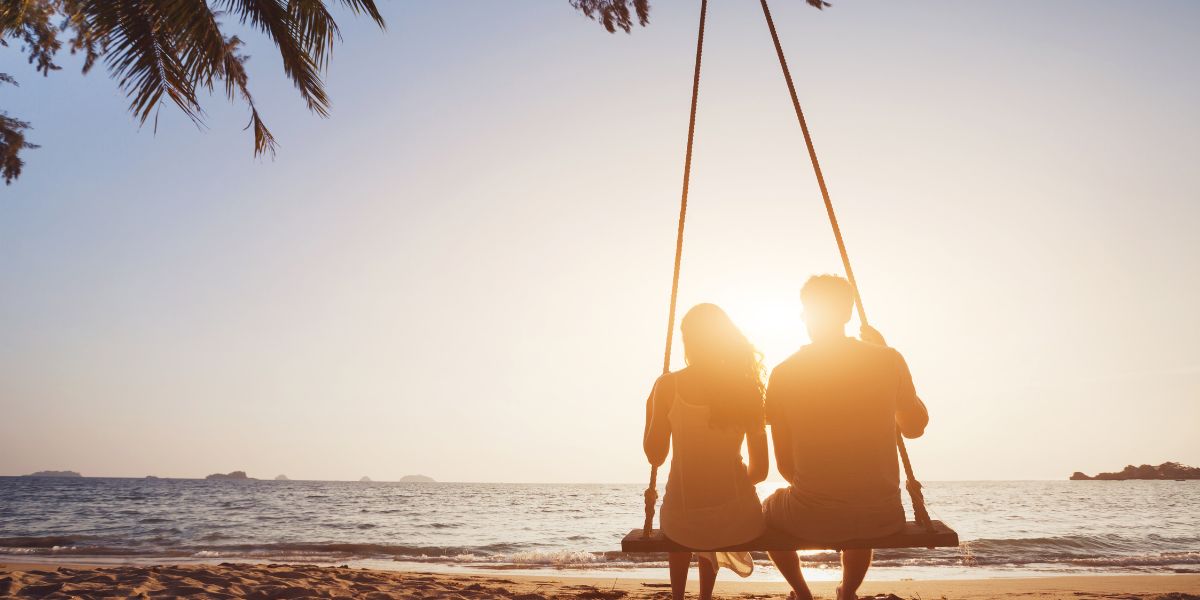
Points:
(911, 414)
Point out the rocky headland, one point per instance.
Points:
(1167, 470)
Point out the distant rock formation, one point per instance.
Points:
(54, 474)
(239, 475)
(1167, 470)
(282, 478)
(151, 477)
(365, 479)
(417, 479)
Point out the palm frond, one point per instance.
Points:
(315, 27)
(273, 18)
(368, 7)
(234, 72)
(142, 53)
(615, 14)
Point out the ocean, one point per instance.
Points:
(1007, 528)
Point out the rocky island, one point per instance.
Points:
(417, 479)
(1167, 470)
(238, 475)
(282, 478)
(55, 474)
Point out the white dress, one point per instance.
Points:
(709, 501)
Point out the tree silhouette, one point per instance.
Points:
(173, 50)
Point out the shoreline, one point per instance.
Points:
(763, 573)
(275, 580)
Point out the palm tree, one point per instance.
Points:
(172, 50)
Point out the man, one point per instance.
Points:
(833, 408)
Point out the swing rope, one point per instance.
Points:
(651, 493)
(920, 514)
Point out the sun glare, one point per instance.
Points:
(774, 326)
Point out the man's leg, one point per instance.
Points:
(679, 563)
(777, 511)
(854, 569)
(788, 563)
(708, 579)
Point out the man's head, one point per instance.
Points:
(828, 301)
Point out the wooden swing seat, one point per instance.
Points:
(914, 535)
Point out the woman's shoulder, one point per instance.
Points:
(671, 379)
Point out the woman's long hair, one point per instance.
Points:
(729, 365)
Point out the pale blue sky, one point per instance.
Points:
(463, 272)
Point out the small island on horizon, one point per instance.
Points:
(417, 479)
(1167, 471)
(55, 474)
(236, 475)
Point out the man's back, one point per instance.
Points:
(839, 400)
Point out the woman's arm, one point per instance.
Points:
(656, 437)
(760, 460)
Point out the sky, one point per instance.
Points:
(464, 271)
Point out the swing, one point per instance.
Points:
(921, 532)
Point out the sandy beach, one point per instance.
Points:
(229, 580)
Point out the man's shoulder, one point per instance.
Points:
(858, 347)
(792, 362)
(810, 353)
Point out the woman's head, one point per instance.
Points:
(714, 346)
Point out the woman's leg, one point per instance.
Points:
(679, 563)
(708, 578)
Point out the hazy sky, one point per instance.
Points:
(464, 271)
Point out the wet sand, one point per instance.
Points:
(229, 580)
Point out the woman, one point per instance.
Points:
(706, 410)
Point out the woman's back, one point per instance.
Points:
(710, 501)
(706, 464)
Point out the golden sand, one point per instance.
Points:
(310, 581)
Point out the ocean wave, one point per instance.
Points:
(1082, 551)
(47, 541)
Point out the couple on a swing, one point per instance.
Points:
(833, 408)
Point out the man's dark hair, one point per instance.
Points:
(828, 297)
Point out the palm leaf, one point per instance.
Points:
(273, 18)
(143, 54)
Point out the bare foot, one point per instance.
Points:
(838, 594)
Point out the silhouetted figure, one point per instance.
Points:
(706, 410)
(833, 408)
